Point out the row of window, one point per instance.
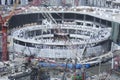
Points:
(19, 20)
(51, 31)
(51, 46)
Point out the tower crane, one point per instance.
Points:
(4, 25)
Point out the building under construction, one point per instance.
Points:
(52, 37)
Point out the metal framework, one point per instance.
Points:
(4, 24)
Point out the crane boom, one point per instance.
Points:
(6, 19)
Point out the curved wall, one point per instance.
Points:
(29, 48)
(20, 20)
(56, 52)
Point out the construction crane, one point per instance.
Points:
(4, 25)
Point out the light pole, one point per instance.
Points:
(99, 60)
(112, 66)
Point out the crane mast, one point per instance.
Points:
(4, 24)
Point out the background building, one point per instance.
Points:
(94, 3)
(103, 3)
(10, 2)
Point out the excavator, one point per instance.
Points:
(4, 25)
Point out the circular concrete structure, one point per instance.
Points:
(46, 41)
(64, 36)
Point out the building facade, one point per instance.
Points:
(94, 3)
(103, 3)
(10, 2)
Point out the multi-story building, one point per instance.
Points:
(103, 3)
(10, 2)
(93, 19)
(94, 3)
(115, 37)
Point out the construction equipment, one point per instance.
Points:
(4, 25)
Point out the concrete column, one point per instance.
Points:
(102, 3)
(98, 3)
(13, 1)
(91, 2)
(8, 2)
(21, 2)
(95, 2)
(2, 2)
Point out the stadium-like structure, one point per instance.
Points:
(60, 33)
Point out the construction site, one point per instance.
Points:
(59, 40)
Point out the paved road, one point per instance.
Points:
(106, 67)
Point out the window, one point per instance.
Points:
(38, 32)
(79, 23)
(52, 31)
(88, 24)
(64, 30)
(109, 24)
(97, 26)
(97, 20)
(69, 16)
(89, 18)
(71, 31)
(80, 16)
(15, 41)
(22, 43)
(103, 22)
(79, 32)
(31, 33)
(57, 15)
(30, 45)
